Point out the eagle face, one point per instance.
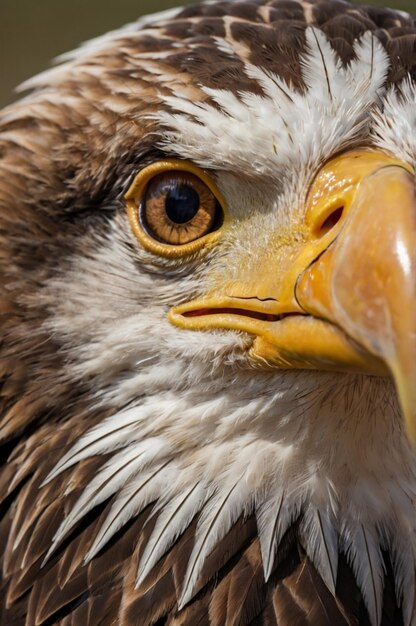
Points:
(207, 234)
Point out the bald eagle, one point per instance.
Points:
(208, 323)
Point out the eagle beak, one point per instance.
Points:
(365, 281)
(346, 297)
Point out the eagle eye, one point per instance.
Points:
(178, 208)
(173, 205)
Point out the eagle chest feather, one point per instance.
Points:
(208, 343)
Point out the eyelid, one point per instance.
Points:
(136, 193)
(142, 179)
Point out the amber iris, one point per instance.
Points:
(178, 208)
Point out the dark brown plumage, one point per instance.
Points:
(67, 156)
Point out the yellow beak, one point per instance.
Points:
(345, 298)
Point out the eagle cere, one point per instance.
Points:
(208, 310)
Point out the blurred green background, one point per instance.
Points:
(32, 32)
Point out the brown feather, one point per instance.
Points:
(240, 596)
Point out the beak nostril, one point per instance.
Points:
(330, 222)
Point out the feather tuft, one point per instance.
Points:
(320, 540)
(362, 548)
(232, 501)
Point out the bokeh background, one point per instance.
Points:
(32, 32)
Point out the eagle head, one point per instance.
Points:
(208, 309)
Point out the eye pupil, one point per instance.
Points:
(181, 204)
